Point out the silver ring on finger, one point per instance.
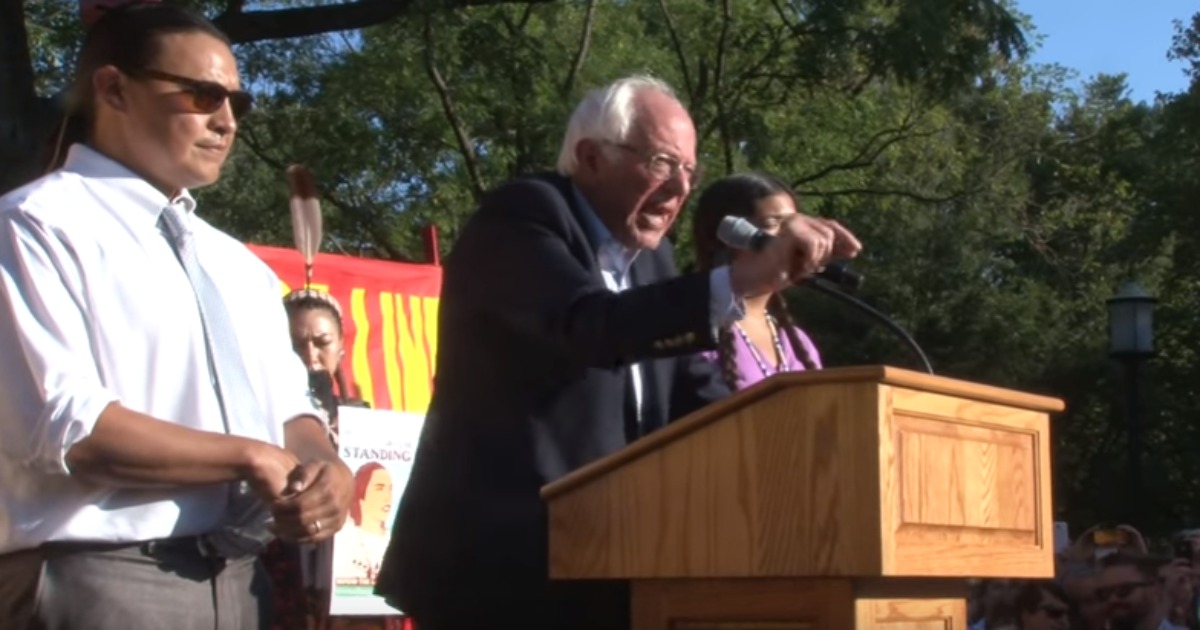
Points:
(315, 528)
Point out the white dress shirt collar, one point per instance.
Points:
(613, 256)
(88, 162)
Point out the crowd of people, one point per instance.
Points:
(1108, 579)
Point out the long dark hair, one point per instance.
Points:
(128, 37)
(739, 195)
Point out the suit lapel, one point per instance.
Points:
(579, 215)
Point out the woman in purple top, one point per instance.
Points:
(766, 341)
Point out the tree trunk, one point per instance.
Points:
(26, 121)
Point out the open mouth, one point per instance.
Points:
(655, 220)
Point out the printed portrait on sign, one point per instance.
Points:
(379, 447)
(364, 538)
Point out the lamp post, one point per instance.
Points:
(1131, 342)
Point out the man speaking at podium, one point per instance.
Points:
(566, 333)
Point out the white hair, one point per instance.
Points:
(606, 113)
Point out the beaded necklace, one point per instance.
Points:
(782, 364)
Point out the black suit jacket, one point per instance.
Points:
(530, 385)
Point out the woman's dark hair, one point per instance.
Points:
(303, 300)
(739, 195)
(128, 37)
(735, 195)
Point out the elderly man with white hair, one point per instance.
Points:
(565, 334)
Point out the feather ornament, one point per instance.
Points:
(306, 216)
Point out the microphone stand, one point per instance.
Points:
(826, 287)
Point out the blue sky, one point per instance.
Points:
(1101, 36)
(1112, 36)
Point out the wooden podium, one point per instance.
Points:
(835, 499)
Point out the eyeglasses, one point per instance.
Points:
(207, 96)
(663, 166)
(1121, 591)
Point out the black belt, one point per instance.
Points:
(195, 546)
(186, 545)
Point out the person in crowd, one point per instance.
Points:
(766, 341)
(996, 608)
(1133, 593)
(975, 610)
(318, 337)
(1186, 543)
(299, 573)
(1179, 592)
(566, 333)
(1081, 581)
(146, 441)
(1042, 605)
(1102, 540)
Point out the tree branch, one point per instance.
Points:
(456, 124)
(525, 15)
(252, 26)
(585, 40)
(727, 140)
(706, 129)
(518, 27)
(869, 152)
(678, 47)
(879, 142)
(886, 192)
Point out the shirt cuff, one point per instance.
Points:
(79, 418)
(723, 307)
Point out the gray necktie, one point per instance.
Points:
(244, 532)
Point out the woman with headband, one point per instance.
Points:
(318, 337)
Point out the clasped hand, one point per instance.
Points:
(803, 246)
(309, 501)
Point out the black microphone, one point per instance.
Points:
(320, 385)
(827, 288)
(739, 233)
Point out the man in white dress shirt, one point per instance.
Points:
(154, 421)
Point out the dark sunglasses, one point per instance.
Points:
(207, 96)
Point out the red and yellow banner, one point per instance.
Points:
(390, 319)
